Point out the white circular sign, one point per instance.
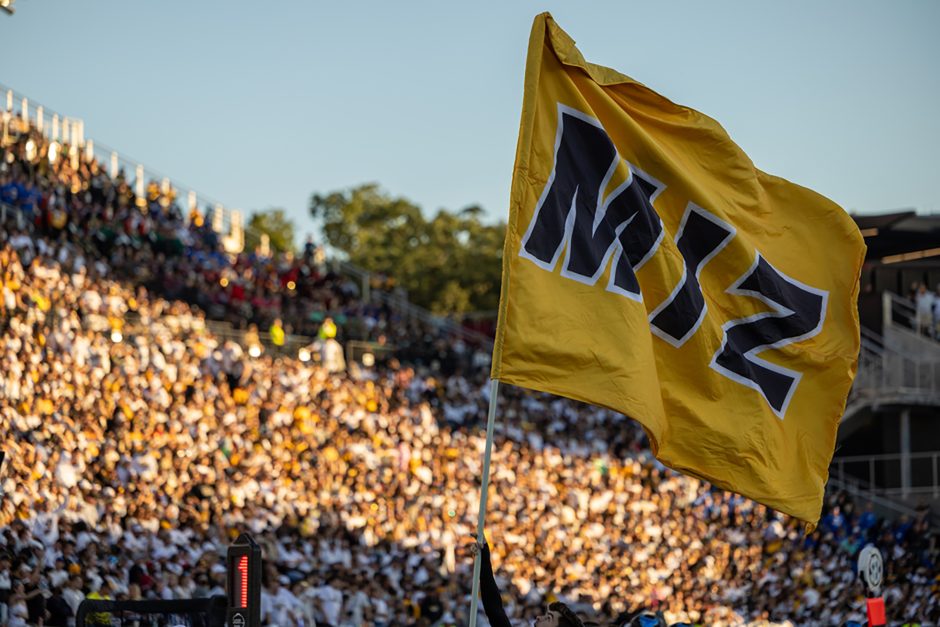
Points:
(871, 567)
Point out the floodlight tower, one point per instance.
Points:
(7, 6)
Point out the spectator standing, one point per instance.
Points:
(103, 593)
(277, 333)
(558, 614)
(60, 612)
(935, 326)
(72, 594)
(925, 306)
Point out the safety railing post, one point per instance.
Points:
(191, 204)
(218, 218)
(139, 181)
(264, 246)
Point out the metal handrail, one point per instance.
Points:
(226, 331)
(900, 461)
(902, 302)
(900, 313)
(104, 154)
(871, 341)
(869, 496)
(895, 302)
(886, 372)
(887, 457)
(6, 209)
(405, 306)
(213, 608)
(109, 157)
(422, 314)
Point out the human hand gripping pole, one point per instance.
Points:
(489, 591)
(484, 487)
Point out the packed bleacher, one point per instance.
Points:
(139, 444)
(152, 241)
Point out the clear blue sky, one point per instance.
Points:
(259, 104)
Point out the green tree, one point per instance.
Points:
(450, 264)
(273, 222)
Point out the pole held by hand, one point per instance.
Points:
(484, 488)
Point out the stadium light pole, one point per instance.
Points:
(7, 6)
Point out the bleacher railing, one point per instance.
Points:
(291, 346)
(70, 131)
(887, 374)
(887, 506)
(898, 310)
(882, 474)
(205, 612)
(400, 303)
(11, 213)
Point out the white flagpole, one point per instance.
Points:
(484, 488)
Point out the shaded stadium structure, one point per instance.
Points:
(888, 440)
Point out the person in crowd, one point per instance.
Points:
(935, 314)
(103, 593)
(60, 612)
(18, 613)
(924, 302)
(558, 614)
(277, 333)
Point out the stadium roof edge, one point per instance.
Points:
(898, 233)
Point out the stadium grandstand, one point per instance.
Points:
(162, 390)
(888, 439)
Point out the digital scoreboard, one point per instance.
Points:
(243, 566)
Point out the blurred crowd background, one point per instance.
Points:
(140, 442)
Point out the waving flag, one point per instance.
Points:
(650, 268)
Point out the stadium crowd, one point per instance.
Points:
(137, 450)
(151, 241)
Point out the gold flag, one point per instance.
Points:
(650, 268)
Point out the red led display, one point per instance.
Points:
(243, 581)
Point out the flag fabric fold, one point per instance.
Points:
(651, 268)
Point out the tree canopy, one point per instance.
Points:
(273, 222)
(450, 263)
